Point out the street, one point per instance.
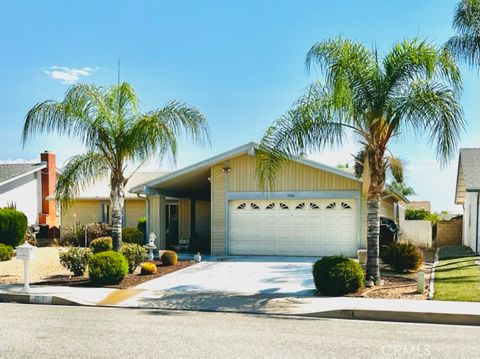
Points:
(55, 331)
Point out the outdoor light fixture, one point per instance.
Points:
(226, 169)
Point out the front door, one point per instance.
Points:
(172, 224)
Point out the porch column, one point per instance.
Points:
(162, 235)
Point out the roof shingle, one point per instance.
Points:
(10, 171)
(470, 162)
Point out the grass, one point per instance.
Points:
(457, 279)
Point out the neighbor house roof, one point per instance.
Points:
(470, 162)
(248, 148)
(12, 171)
(101, 189)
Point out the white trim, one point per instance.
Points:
(36, 169)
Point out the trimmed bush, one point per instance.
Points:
(402, 256)
(169, 258)
(337, 275)
(142, 226)
(6, 252)
(148, 268)
(76, 260)
(133, 235)
(134, 254)
(13, 226)
(102, 244)
(107, 267)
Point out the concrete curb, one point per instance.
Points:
(431, 285)
(36, 299)
(392, 316)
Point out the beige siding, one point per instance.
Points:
(294, 177)
(218, 210)
(81, 212)
(202, 218)
(134, 210)
(184, 223)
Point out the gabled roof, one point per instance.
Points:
(469, 160)
(11, 171)
(248, 148)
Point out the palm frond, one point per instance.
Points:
(395, 165)
(79, 172)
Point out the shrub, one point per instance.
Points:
(421, 214)
(30, 238)
(337, 275)
(148, 268)
(76, 260)
(101, 244)
(97, 230)
(6, 252)
(73, 237)
(169, 258)
(142, 226)
(133, 235)
(402, 256)
(13, 226)
(134, 254)
(107, 267)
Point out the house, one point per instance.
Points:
(92, 205)
(467, 194)
(27, 186)
(315, 210)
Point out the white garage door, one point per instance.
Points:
(293, 227)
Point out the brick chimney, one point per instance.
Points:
(49, 179)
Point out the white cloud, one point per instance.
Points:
(67, 75)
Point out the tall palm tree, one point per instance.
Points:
(403, 188)
(415, 86)
(466, 21)
(108, 122)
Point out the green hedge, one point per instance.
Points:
(107, 268)
(102, 244)
(133, 235)
(337, 275)
(13, 226)
(6, 252)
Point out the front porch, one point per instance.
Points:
(178, 212)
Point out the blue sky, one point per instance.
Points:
(241, 63)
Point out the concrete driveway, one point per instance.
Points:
(242, 275)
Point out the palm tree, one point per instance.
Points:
(108, 122)
(414, 87)
(403, 188)
(466, 21)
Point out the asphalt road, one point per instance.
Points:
(81, 332)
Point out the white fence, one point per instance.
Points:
(418, 232)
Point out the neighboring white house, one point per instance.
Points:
(467, 194)
(26, 186)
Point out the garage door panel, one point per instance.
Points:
(292, 227)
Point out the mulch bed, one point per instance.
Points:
(131, 280)
(395, 287)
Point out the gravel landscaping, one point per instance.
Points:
(45, 265)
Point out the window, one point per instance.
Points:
(241, 206)
(105, 213)
(346, 206)
(314, 206)
(254, 206)
(332, 205)
(270, 206)
(300, 206)
(283, 206)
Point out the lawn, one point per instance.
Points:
(457, 279)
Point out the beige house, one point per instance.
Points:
(92, 205)
(316, 210)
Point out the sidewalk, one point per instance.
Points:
(462, 313)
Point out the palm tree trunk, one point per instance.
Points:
(117, 200)
(373, 237)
